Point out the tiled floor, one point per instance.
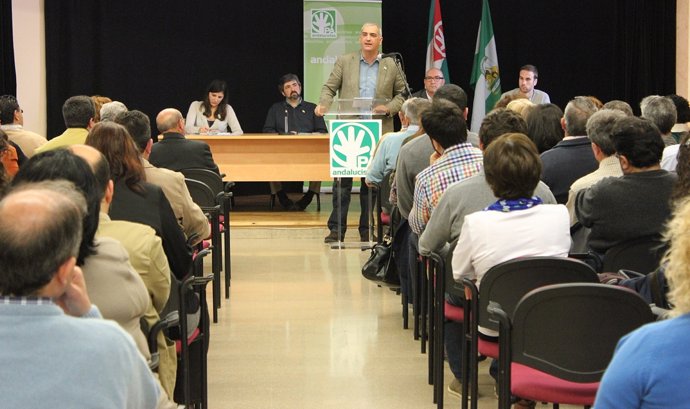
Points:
(303, 329)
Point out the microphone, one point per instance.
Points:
(387, 55)
(286, 121)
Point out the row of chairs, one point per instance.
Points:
(215, 199)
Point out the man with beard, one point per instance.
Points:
(293, 116)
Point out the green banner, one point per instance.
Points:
(331, 29)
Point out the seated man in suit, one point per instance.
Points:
(636, 204)
(188, 214)
(293, 116)
(174, 151)
(47, 321)
(12, 120)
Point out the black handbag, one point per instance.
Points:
(380, 267)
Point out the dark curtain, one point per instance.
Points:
(8, 75)
(156, 54)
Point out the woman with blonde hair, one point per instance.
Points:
(650, 366)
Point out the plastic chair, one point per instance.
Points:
(440, 280)
(224, 198)
(560, 340)
(206, 199)
(642, 254)
(505, 284)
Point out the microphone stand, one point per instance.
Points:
(398, 64)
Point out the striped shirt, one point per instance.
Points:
(457, 163)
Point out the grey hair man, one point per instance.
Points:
(78, 112)
(110, 110)
(43, 297)
(599, 128)
(386, 154)
(571, 158)
(662, 112)
(12, 122)
(620, 106)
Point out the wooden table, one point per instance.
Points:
(270, 157)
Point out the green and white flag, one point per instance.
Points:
(485, 75)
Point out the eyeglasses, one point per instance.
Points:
(433, 78)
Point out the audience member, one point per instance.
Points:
(638, 203)
(596, 101)
(98, 102)
(619, 105)
(134, 199)
(645, 369)
(12, 120)
(386, 154)
(293, 115)
(47, 321)
(682, 187)
(522, 106)
(433, 80)
(662, 112)
(544, 126)
(146, 255)
(8, 156)
(507, 99)
(599, 128)
(527, 80)
(571, 158)
(669, 159)
(110, 110)
(189, 215)
(454, 159)
(213, 114)
(174, 151)
(355, 75)
(78, 113)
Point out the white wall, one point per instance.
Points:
(30, 60)
(682, 43)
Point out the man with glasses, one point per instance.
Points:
(432, 81)
(12, 122)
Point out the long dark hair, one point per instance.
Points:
(682, 187)
(119, 149)
(216, 86)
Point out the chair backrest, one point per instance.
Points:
(571, 330)
(201, 194)
(209, 177)
(507, 282)
(642, 254)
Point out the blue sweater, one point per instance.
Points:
(49, 359)
(650, 368)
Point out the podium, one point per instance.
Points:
(356, 134)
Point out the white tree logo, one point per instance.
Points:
(323, 23)
(353, 145)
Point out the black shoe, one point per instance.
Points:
(332, 237)
(284, 200)
(305, 200)
(364, 236)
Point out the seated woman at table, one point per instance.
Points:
(213, 115)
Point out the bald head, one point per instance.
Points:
(97, 161)
(40, 229)
(168, 120)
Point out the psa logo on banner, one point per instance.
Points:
(323, 23)
(352, 146)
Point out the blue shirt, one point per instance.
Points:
(649, 368)
(368, 75)
(386, 154)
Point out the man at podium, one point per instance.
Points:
(361, 74)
